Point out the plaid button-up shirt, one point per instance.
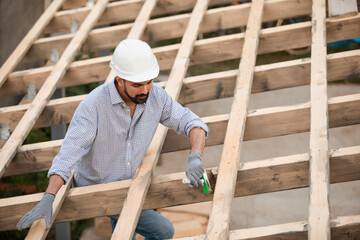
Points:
(104, 144)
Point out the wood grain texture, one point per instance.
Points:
(261, 123)
(258, 177)
(319, 206)
(141, 181)
(219, 221)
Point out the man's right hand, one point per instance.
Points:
(42, 210)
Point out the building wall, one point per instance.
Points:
(16, 19)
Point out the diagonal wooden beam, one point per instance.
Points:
(38, 228)
(218, 226)
(28, 40)
(257, 177)
(28, 120)
(141, 181)
(319, 206)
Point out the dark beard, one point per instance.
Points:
(136, 99)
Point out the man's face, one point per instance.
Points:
(137, 92)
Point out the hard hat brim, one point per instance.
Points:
(136, 77)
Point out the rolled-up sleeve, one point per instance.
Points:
(179, 118)
(79, 138)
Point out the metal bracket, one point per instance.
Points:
(31, 90)
(54, 55)
(4, 131)
(74, 26)
(91, 3)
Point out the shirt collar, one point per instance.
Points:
(115, 97)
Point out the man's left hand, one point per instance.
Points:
(195, 169)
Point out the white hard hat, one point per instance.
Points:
(133, 60)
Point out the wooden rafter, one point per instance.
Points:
(219, 221)
(38, 228)
(206, 51)
(258, 177)
(319, 206)
(275, 121)
(141, 181)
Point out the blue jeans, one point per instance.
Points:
(151, 225)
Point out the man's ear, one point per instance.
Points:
(120, 81)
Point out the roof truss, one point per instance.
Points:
(155, 21)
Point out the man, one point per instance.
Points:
(112, 129)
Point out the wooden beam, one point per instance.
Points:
(171, 27)
(269, 77)
(28, 120)
(206, 51)
(219, 221)
(258, 177)
(342, 8)
(261, 123)
(319, 206)
(38, 228)
(139, 186)
(342, 228)
(124, 11)
(28, 40)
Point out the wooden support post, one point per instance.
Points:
(319, 209)
(38, 228)
(141, 181)
(218, 226)
(342, 7)
(28, 40)
(40, 101)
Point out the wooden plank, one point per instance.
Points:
(261, 123)
(124, 11)
(38, 228)
(139, 186)
(206, 51)
(267, 77)
(258, 177)
(28, 120)
(343, 227)
(171, 27)
(319, 206)
(219, 221)
(28, 40)
(342, 7)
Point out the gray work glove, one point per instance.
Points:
(195, 169)
(42, 210)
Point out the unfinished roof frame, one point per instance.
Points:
(340, 165)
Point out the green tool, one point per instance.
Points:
(207, 179)
(206, 186)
